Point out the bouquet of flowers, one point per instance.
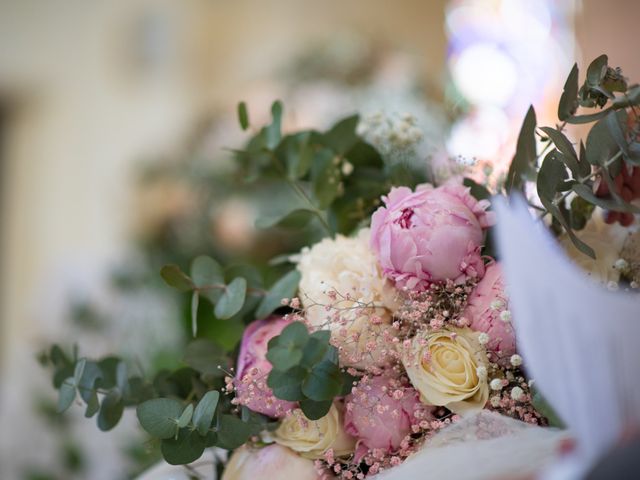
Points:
(391, 324)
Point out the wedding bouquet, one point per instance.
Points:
(391, 324)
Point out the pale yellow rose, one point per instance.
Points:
(443, 367)
(273, 462)
(312, 438)
(348, 267)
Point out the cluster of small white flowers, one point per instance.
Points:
(397, 137)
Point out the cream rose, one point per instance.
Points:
(312, 438)
(443, 366)
(337, 276)
(273, 462)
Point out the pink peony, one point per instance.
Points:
(253, 368)
(380, 411)
(430, 235)
(488, 312)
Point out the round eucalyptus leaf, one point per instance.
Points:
(186, 448)
(159, 416)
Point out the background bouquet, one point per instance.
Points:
(391, 323)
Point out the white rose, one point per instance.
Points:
(607, 242)
(312, 438)
(348, 267)
(444, 369)
(273, 462)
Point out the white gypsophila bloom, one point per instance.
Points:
(516, 360)
(342, 289)
(505, 316)
(483, 338)
(517, 393)
(607, 242)
(496, 384)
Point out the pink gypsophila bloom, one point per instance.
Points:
(488, 311)
(430, 235)
(380, 412)
(253, 368)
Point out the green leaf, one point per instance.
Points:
(122, 378)
(363, 154)
(283, 358)
(597, 70)
(632, 97)
(580, 213)
(248, 272)
(295, 334)
(315, 410)
(296, 219)
(296, 152)
(523, 163)
(205, 271)
(286, 349)
(185, 417)
(272, 132)
(563, 144)
(93, 405)
(232, 299)
(342, 135)
(600, 145)
(569, 100)
(324, 382)
(176, 278)
(613, 121)
(287, 384)
(325, 177)
(479, 192)
(315, 350)
(206, 408)
(87, 384)
(79, 370)
(592, 117)
(67, 394)
(286, 287)
(159, 416)
(195, 302)
(186, 448)
(587, 194)
(551, 177)
(243, 115)
(205, 356)
(233, 432)
(110, 410)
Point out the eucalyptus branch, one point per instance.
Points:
(583, 180)
(301, 193)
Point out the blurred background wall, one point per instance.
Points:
(89, 88)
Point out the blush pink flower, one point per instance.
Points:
(380, 412)
(488, 312)
(272, 461)
(430, 235)
(253, 368)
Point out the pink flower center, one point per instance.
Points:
(405, 218)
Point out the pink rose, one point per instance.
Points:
(272, 461)
(430, 235)
(253, 368)
(488, 312)
(380, 411)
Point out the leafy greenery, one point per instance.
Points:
(306, 369)
(566, 177)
